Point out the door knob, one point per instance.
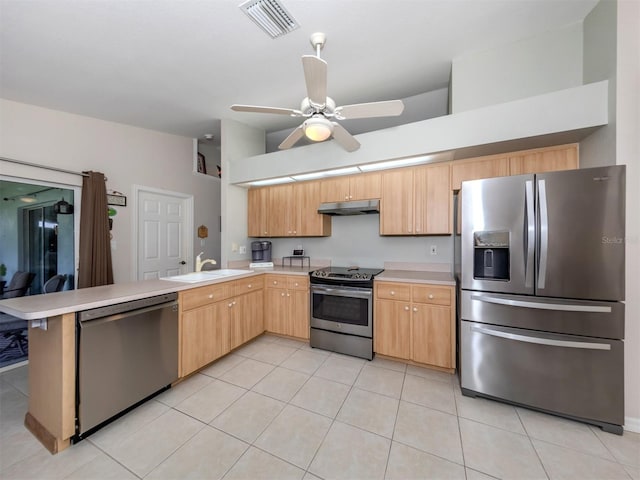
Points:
(182, 262)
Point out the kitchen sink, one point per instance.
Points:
(206, 275)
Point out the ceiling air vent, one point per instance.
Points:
(270, 16)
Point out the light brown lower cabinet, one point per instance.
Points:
(216, 319)
(205, 336)
(415, 322)
(287, 305)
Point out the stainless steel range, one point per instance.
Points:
(342, 310)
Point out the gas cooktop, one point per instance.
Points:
(347, 274)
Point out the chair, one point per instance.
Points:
(54, 284)
(19, 284)
(13, 329)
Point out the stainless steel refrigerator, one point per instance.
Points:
(542, 285)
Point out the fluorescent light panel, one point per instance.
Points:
(402, 162)
(272, 181)
(270, 16)
(326, 173)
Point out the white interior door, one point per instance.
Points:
(163, 239)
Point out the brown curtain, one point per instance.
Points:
(95, 242)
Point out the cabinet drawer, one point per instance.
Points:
(297, 282)
(247, 285)
(393, 291)
(275, 281)
(205, 295)
(430, 294)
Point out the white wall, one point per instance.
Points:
(238, 141)
(599, 32)
(628, 152)
(545, 63)
(126, 155)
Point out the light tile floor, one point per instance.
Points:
(277, 409)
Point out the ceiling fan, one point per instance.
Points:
(320, 110)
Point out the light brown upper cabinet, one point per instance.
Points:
(545, 160)
(289, 210)
(258, 212)
(477, 168)
(538, 160)
(416, 201)
(364, 186)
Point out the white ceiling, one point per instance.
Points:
(177, 65)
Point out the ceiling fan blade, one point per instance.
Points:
(315, 75)
(256, 109)
(344, 138)
(293, 137)
(390, 108)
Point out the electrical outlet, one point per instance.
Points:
(433, 250)
(243, 249)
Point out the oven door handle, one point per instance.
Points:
(343, 292)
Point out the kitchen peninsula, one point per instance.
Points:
(228, 311)
(52, 347)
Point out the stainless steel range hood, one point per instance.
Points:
(356, 207)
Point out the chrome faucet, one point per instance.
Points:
(202, 263)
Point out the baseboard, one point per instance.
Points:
(632, 424)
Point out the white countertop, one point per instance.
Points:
(433, 278)
(51, 304)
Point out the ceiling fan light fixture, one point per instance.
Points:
(317, 128)
(270, 16)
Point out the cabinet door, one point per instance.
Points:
(432, 335)
(204, 336)
(276, 310)
(432, 200)
(396, 205)
(298, 313)
(306, 201)
(334, 189)
(365, 186)
(478, 168)
(392, 329)
(257, 212)
(546, 160)
(247, 320)
(279, 210)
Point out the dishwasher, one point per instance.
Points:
(126, 353)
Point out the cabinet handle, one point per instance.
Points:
(417, 230)
(249, 286)
(346, 197)
(295, 231)
(431, 296)
(350, 197)
(234, 302)
(210, 295)
(265, 232)
(406, 309)
(392, 293)
(296, 284)
(230, 305)
(282, 294)
(415, 309)
(275, 282)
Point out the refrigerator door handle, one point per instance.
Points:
(539, 340)
(544, 233)
(541, 305)
(530, 236)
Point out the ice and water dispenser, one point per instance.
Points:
(491, 255)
